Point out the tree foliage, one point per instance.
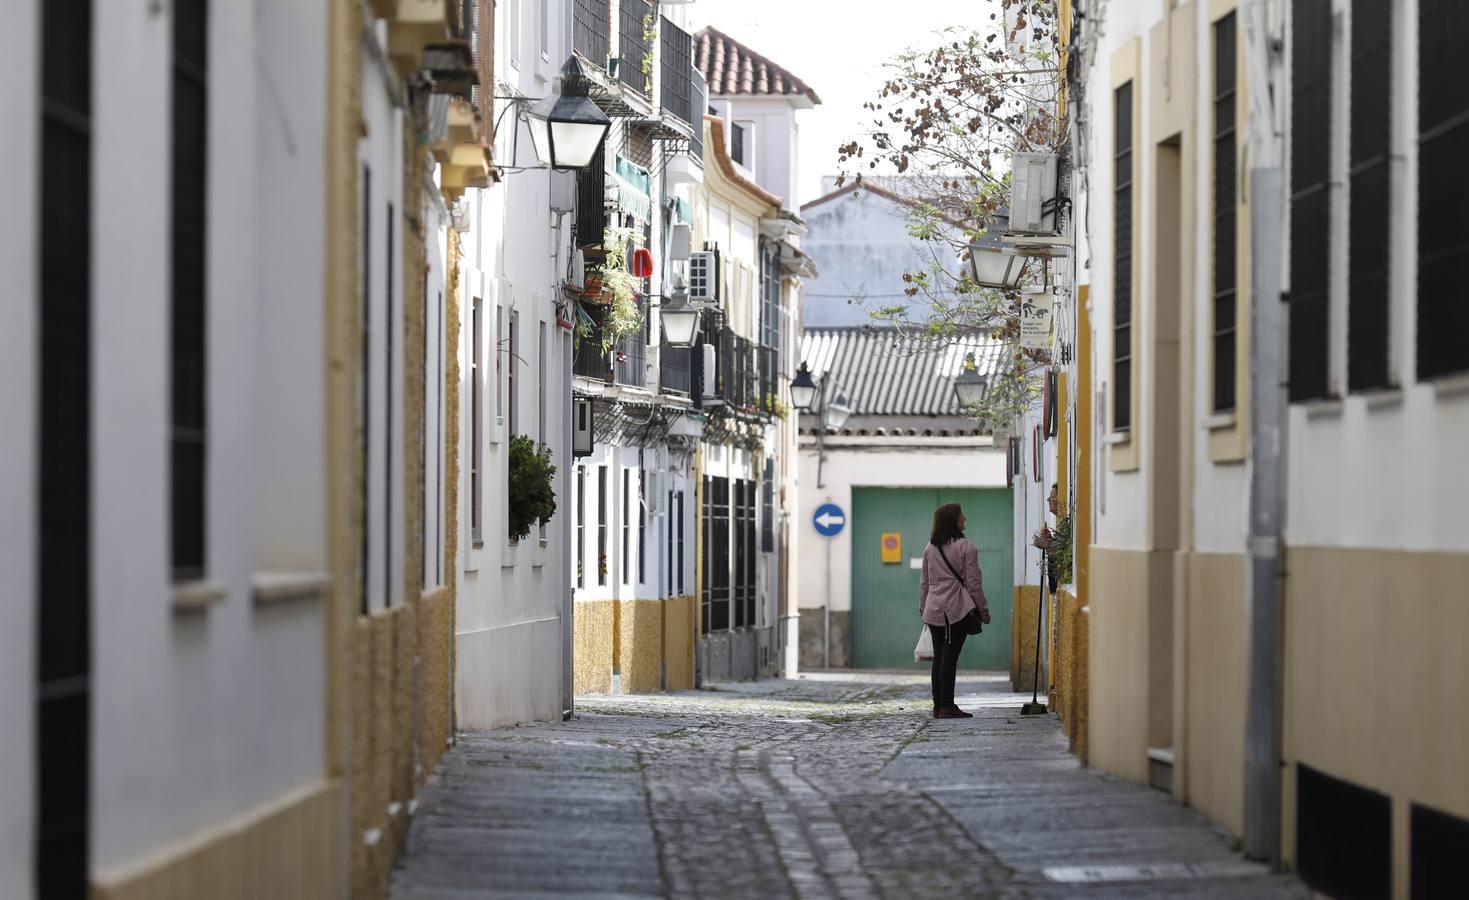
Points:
(943, 129)
(532, 492)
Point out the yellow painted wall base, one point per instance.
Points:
(291, 849)
(1375, 680)
(1118, 636)
(639, 640)
(1216, 680)
(1022, 637)
(1069, 672)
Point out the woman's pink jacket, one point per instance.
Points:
(940, 594)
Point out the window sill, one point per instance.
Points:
(275, 588)
(1117, 437)
(1220, 421)
(1451, 385)
(1386, 398)
(197, 596)
(1324, 408)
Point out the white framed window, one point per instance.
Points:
(742, 143)
(476, 414)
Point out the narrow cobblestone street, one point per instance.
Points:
(839, 786)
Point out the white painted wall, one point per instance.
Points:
(509, 613)
(776, 163)
(875, 462)
(20, 259)
(223, 707)
(861, 243)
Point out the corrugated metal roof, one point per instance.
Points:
(883, 372)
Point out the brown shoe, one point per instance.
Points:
(952, 712)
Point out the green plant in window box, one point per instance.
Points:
(771, 403)
(532, 493)
(650, 34)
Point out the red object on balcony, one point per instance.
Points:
(642, 262)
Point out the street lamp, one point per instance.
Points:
(994, 268)
(680, 321)
(567, 127)
(969, 386)
(838, 412)
(803, 389)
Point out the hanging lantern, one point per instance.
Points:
(642, 263)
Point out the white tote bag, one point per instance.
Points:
(924, 651)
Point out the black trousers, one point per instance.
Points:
(947, 642)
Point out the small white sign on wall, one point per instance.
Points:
(1035, 320)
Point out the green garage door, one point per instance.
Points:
(885, 595)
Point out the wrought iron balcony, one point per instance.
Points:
(674, 369)
(635, 53)
(676, 68)
(590, 30)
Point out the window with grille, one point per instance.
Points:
(388, 582)
(64, 460)
(601, 526)
(626, 535)
(189, 259)
(668, 542)
(1226, 294)
(365, 570)
(476, 413)
(767, 509)
(642, 527)
(581, 526)
(1443, 229)
(747, 562)
(742, 551)
(1370, 185)
(1310, 206)
(1122, 259)
(680, 544)
(715, 589)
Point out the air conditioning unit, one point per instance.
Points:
(711, 363)
(1033, 193)
(704, 276)
(680, 241)
(582, 442)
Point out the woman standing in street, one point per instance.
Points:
(951, 602)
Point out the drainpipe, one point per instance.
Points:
(1267, 451)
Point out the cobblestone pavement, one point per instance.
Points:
(824, 786)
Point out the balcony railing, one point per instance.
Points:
(674, 369)
(676, 67)
(590, 31)
(591, 202)
(635, 52)
(769, 386)
(630, 360)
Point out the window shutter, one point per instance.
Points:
(1443, 230)
(1370, 219)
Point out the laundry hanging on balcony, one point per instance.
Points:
(634, 190)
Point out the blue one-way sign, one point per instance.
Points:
(829, 520)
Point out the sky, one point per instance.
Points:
(839, 48)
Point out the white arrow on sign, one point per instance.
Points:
(826, 520)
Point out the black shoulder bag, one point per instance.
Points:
(971, 623)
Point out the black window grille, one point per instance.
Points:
(676, 68)
(591, 201)
(715, 589)
(581, 526)
(388, 589)
(1122, 167)
(1226, 295)
(189, 319)
(626, 520)
(1443, 229)
(771, 327)
(364, 571)
(747, 562)
(1310, 199)
(64, 319)
(642, 527)
(673, 369)
(602, 525)
(635, 66)
(630, 355)
(1368, 225)
(767, 509)
(668, 539)
(680, 551)
(700, 93)
(742, 551)
(590, 30)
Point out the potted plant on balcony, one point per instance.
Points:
(618, 287)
